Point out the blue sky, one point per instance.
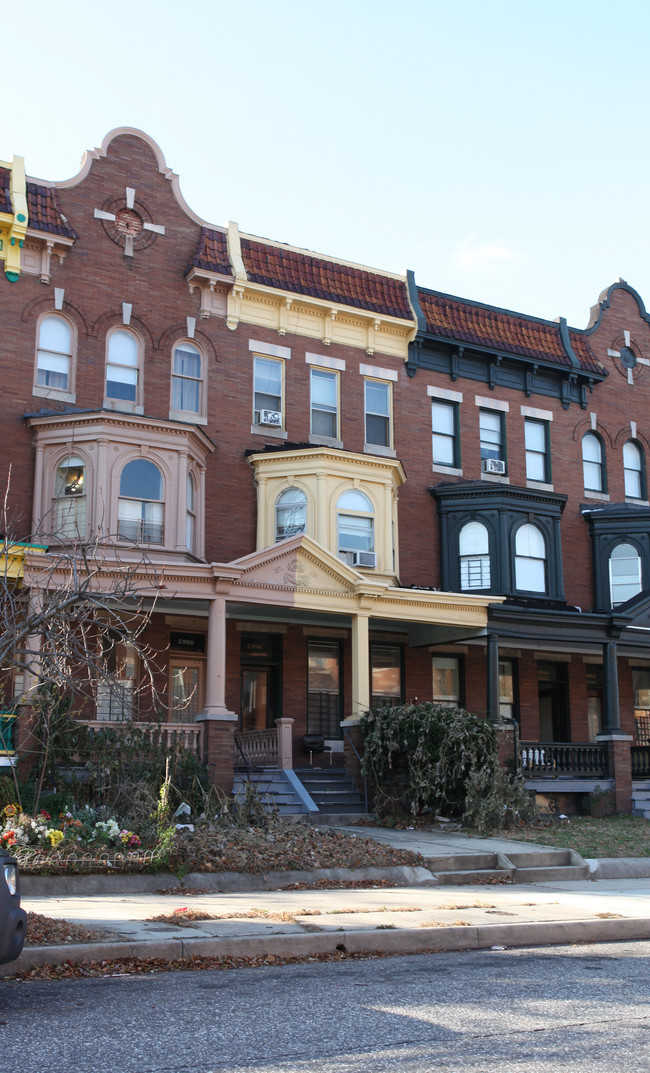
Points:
(500, 150)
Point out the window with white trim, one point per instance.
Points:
(54, 353)
(356, 529)
(474, 556)
(70, 498)
(187, 379)
(444, 425)
(123, 367)
(140, 506)
(491, 431)
(530, 559)
(593, 467)
(290, 513)
(377, 405)
(624, 573)
(190, 514)
(633, 470)
(268, 392)
(536, 441)
(324, 403)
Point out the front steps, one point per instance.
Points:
(334, 794)
(546, 866)
(641, 798)
(274, 789)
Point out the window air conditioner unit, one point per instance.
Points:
(271, 417)
(364, 558)
(494, 465)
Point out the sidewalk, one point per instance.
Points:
(396, 919)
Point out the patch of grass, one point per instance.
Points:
(611, 836)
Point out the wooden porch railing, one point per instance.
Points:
(547, 759)
(640, 761)
(185, 735)
(257, 748)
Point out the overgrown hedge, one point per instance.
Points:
(420, 757)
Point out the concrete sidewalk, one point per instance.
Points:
(395, 919)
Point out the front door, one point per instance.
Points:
(186, 689)
(553, 702)
(255, 704)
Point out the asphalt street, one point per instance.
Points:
(543, 1010)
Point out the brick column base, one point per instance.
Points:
(620, 768)
(350, 759)
(218, 749)
(507, 746)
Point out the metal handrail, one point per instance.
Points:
(346, 735)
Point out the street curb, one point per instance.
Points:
(400, 875)
(388, 941)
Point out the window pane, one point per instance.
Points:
(490, 432)
(535, 434)
(55, 334)
(70, 477)
(445, 679)
(141, 479)
(323, 388)
(355, 534)
(185, 395)
(377, 398)
(386, 671)
(268, 377)
(443, 450)
(473, 539)
(323, 667)
(442, 417)
(290, 514)
(377, 430)
(353, 500)
(593, 476)
(123, 348)
(591, 449)
(187, 361)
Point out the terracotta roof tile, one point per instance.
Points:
(291, 270)
(45, 212)
(5, 197)
(502, 330)
(212, 254)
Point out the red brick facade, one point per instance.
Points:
(100, 278)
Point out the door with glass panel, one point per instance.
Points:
(255, 707)
(324, 705)
(186, 690)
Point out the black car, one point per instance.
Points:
(13, 919)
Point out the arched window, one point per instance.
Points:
(54, 353)
(70, 497)
(624, 574)
(530, 559)
(140, 510)
(290, 513)
(474, 556)
(356, 529)
(592, 463)
(633, 470)
(122, 366)
(190, 513)
(187, 373)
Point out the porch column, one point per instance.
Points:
(360, 662)
(33, 645)
(612, 713)
(618, 744)
(215, 673)
(219, 724)
(493, 708)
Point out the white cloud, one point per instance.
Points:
(473, 256)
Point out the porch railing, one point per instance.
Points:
(257, 748)
(172, 735)
(587, 760)
(640, 761)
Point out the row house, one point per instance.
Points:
(355, 490)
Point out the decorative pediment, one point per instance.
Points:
(298, 565)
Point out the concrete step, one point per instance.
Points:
(476, 875)
(550, 875)
(544, 858)
(462, 862)
(336, 819)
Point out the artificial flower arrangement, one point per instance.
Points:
(20, 829)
